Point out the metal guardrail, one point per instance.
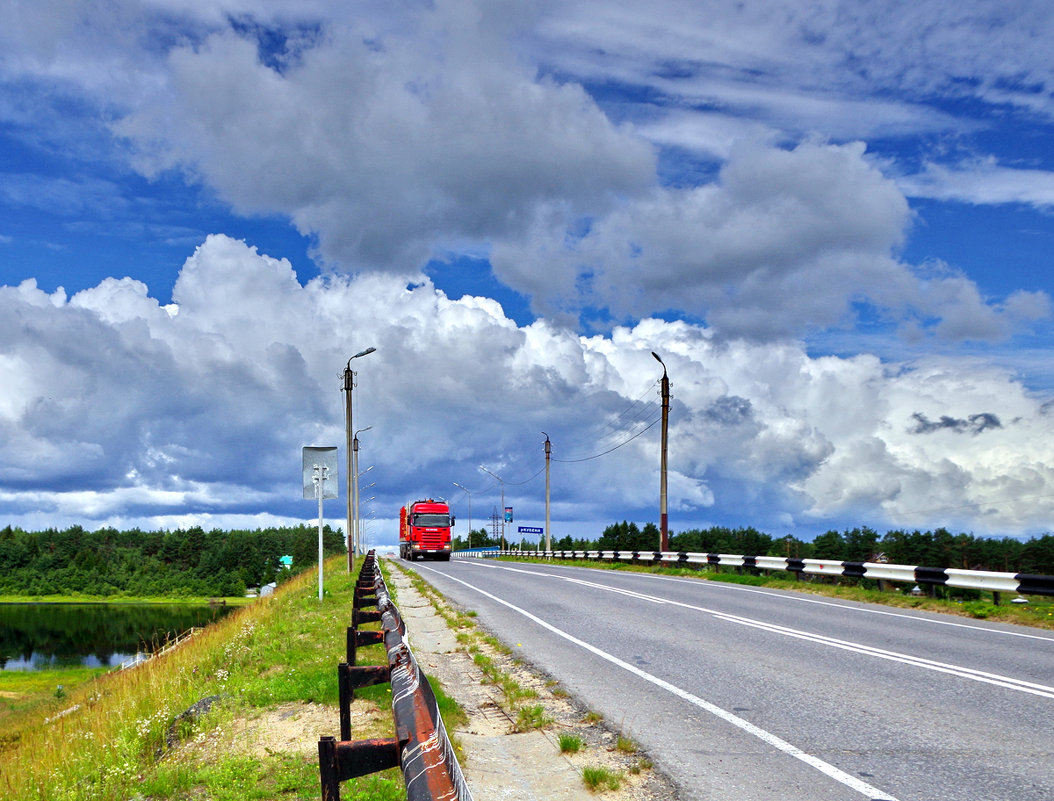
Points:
(1022, 583)
(421, 746)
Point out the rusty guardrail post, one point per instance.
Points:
(421, 746)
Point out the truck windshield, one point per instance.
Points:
(432, 520)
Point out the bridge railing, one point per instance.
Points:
(1021, 583)
(421, 747)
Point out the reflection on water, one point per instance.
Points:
(38, 636)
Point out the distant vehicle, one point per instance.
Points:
(424, 530)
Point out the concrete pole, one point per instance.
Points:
(352, 478)
(467, 492)
(548, 452)
(355, 494)
(349, 384)
(664, 535)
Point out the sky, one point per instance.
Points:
(831, 220)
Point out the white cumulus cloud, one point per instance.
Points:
(116, 410)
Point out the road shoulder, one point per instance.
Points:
(502, 754)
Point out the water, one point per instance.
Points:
(43, 636)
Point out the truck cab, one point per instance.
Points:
(424, 530)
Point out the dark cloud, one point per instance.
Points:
(730, 411)
(974, 424)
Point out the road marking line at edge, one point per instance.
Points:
(972, 674)
(789, 595)
(780, 744)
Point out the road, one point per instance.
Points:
(743, 693)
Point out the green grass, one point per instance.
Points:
(22, 691)
(599, 779)
(532, 717)
(280, 649)
(625, 745)
(515, 693)
(570, 743)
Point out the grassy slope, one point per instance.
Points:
(281, 649)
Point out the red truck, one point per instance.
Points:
(424, 529)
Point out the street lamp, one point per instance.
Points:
(349, 385)
(664, 535)
(548, 453)
(372, 512)
(355, 486)
(502, 482)
(469, 512)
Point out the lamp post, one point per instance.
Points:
(349, 385)
(548, 453)
(358, 515)
(359, 522)
(502, 482)
(355, 486)
(469, 512)
(664, 535)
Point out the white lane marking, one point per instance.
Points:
(719, 585)
(941, 667)
(767, 737)
(972, 674)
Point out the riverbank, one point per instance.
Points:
(24, 691)
(235, 712)
(114, 599)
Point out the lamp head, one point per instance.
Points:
(660, 361)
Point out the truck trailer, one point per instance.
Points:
(424, 529)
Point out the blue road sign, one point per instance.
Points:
(529, 529)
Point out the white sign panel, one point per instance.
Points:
(320, 462)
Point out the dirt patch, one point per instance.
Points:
(500, 755)
(291, 728)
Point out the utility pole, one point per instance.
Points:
(469, 512)
(349, 384)
(356, 525)
(548, 453)
(351, 486)
(502, 482)
(664, 533)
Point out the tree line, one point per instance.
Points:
(938, 548)
(188, 562)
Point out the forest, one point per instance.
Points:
(193, 562)
(938, 548)
(188, 562)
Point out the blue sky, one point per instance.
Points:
(833, 220)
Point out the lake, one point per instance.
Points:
(37, 636)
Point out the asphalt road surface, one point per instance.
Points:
(740, 693)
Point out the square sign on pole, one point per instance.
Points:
(325, 458)
(320, 482)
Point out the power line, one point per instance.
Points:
(609, 450)
(636, 409)
(521, 483)
(631, 416)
